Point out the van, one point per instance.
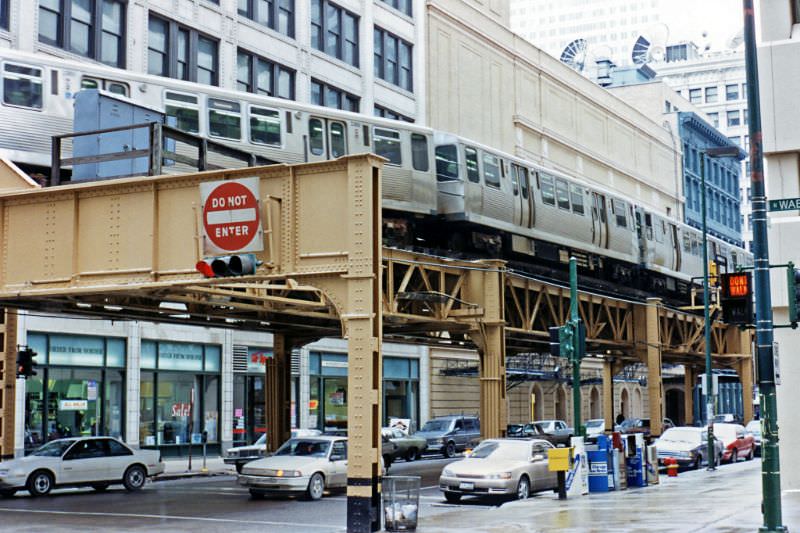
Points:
(450, 434)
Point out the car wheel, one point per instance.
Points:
(8, 493)
(411, 455)
(316, 486)
(387, 461)
(40, 483)
(733, 458)
(239, 467)
(99, 487)
(134, 477)
(450, 450)
(523, 488)
(751, 454)
(256, 495)
(452, 497)
(697, 461)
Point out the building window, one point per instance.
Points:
(380, 111)
(4, 7)
(744, 117)
(275, 14)
(90, 28)
(404, 6)
(176, 51)
(735, 139)
(696, 96)
(711, 95)
(732, 92)
(746, 143)
(714, 117)
(393, 59)
(733, 118)
(330, 96)
(334, 31)
(262, 76)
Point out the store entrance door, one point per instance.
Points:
(334, 409)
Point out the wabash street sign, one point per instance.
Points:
(784, 204)
(231, 216)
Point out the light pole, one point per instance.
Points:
(723, 151)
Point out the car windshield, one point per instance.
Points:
(436, 425)
(304, 447)
(594, 423)
(754, 427)
(629, 423)
(261, 440)
(681, 435)
(53, 449)
(514, 428)
(501, 450)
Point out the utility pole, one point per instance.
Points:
(709, 388)
(770, 461)
(578, 345)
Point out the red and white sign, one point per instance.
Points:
(231, 216)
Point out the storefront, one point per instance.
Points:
(179, 394)
(78, 389)
(401, 390)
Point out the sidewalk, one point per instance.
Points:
(725, 500)
(178, 468)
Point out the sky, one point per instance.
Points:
(688, 19)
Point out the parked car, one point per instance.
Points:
(595, 427)
(738, 442)
(408, 447)
(754, 427)
(726, 418)
(531, 431)
(95, 462)
(241, 455)
(558, 429)
(450, 434)
(642, 425)
(688, 445)
(303, 465)
(500, 467)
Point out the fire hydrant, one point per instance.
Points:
(672, 466)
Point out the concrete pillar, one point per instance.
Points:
(655, 387)
(608, 395)
(277, 395)
(133, 378)
(688, 394)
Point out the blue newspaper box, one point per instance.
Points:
(634, 460)
(598, 470)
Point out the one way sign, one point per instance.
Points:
(784, 204)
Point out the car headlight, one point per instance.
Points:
(232, 453)
(447, 473)
(288, 473)
(501, 475)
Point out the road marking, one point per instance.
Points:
(167, 517)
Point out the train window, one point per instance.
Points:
(687, 247)
(22, 86)
(491, 170)
(366, 135)
(514, 182)
(471, 159)
(338, 143)
(695, 250)
(89, 83)
(288, 122)
(548, 189)
(184, 109)
(316, 136)
(117, 88)
(562, 194)
(387, 144)
(265, 126)
(523, 181)
(447, 162)
(576, 195)
(648, 223)
(661, 230)
(618, 207)
(419, 152)
(224, 119)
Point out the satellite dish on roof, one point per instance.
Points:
(651, 45)
(736, 39)
(574, 54)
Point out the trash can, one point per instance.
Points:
(400, 502)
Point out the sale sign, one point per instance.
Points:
(231, 216)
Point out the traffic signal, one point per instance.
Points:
(25, 363)
(793, 293)
(737, 298)
(568, 340)
(228, 265)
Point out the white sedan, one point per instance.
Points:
(95, 462)
(306, 465)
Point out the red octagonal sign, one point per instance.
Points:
(231, 219)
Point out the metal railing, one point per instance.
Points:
(157, 152)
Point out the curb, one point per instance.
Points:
(188, 475)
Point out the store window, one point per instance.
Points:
(179, 398)
(401, 390)
(79, 388)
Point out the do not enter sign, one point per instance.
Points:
(231, 216)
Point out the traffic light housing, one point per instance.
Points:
(228, 265)
(793, 293)
(737, 298)
(568, 340)
(25, 363)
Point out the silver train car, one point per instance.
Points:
(438, 188)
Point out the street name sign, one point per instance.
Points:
(784, 204)
(231, 216)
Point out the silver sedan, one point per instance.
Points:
(500, 467)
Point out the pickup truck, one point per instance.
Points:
(560, 432)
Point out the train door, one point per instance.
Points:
(527, 197)
(676, 248)
(599, 220)
(327, 139)
(520, 191)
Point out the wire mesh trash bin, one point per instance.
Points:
(400, 502)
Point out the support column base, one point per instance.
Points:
(363, 514)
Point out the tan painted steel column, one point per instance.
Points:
(655, 387)
(608, 395)
(277, 395)
(688, 394)
(8, 381)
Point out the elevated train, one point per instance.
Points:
(438, 188)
